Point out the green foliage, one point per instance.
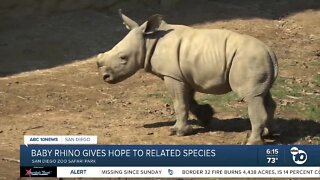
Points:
(313, 112)
(317, 80)
(217, 100)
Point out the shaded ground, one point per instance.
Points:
(71, 98)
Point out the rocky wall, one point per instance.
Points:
(29, 7)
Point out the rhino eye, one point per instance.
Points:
(124, 59)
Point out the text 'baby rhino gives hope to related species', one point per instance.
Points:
(189, 60)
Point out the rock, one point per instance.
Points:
(101, 4)
(8, 4)
(169, 3)
(29, 3)
(22, 10)
(312, 37)
(69, 5)
(49, 6)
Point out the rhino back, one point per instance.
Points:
(205, 59)
(201, 57)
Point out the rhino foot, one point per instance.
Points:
(181, 131)
(255, 141)
(268, 131)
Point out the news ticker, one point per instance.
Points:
(172, 172)
(233, 161)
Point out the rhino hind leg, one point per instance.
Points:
(203, 112)
(270, 105)
(258, 117)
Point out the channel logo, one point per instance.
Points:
(298, 156)
(38, 171)
(170, 171)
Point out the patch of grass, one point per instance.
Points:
(290, 108)
(155, 95)
(279, 92)
(278, 89)
(164, 98)
(228, 103)
(167, 100)
(287, 87)
(314, 63)
(280, 80)
(307, 105)
(296, 89)
(313, 112)
(317, 80)
(217, 100)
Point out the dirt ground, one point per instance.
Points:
(49, 84)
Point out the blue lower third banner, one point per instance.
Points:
(232, 161)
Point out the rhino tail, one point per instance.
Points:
(274, 61)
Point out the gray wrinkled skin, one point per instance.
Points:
(192, 60)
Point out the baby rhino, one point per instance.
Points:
(188, 60)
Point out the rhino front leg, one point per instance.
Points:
(179, 93)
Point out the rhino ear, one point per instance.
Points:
(129, 23)
(152, 25)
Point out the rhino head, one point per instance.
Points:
(128, 56)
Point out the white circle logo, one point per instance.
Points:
(298, 156)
